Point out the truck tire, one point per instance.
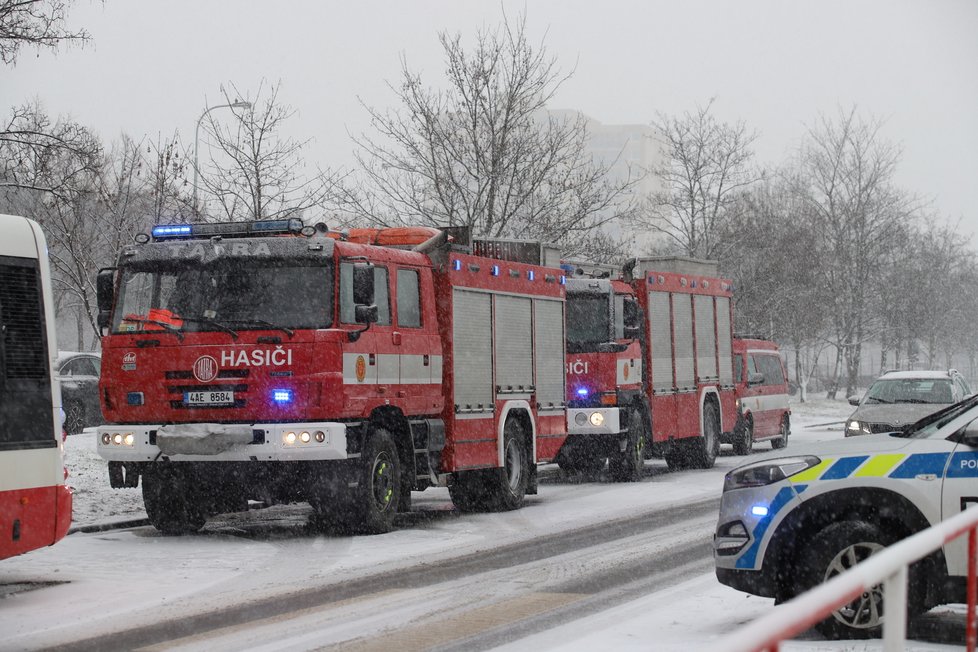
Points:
(375, 500)
(782, 439)
(706, 447)
(580, 459)
(628, 465)
(744, 438)
(170, 503)
(499, 489)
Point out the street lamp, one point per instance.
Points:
(241, 104)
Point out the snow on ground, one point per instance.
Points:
(135, 576)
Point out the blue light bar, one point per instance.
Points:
(282, 395)
(165, 230)
(457, 265)
(563, 280)
(582, 391)
(530, 275)
(494, 270)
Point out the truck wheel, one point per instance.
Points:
(509, 485)
(706, 448)
(744, 440)
(580, 459)
(835, 549)
(170, 504)
(782, 440)
(627, 465)
(377, 497)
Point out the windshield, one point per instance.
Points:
(263, 295)
(911, 390)
(587, 322)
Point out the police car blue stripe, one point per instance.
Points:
(921, 464)
(782, 498)
(963, 465)
(843, 468)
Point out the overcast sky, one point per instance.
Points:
(154, 65)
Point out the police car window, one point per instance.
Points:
(408, 299)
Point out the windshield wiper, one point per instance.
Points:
(212, 322)
(262, 322)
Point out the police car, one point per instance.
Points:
(788, 523)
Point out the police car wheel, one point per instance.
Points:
(833, 550)
(744, 439)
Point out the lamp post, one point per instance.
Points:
(234, 105)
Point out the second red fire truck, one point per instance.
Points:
(649, 367)
(275, 361)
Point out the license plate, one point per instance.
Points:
(208, 398)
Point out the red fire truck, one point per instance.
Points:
(653, 375)
(276, 361)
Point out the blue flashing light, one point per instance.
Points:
(759, 510)
(563, 280)
(457, 265)
(583, 391)
(282, 395)
(171, 230)
(494, 270)
(530, 275)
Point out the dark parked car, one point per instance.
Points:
(79, 373)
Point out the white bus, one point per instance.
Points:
(35, 504)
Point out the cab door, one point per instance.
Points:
(367, 375)
(416, 342)
(960, 491)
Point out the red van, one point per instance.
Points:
(762, 396)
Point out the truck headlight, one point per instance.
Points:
(596, 419)
(768, 472)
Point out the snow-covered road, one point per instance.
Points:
(95, 584)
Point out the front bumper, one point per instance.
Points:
(581, 421)
(269, 442)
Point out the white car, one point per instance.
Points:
(788, 523)
(898, 398)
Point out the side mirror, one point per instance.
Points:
(633, 332)
(611, 347)
(755, 378)
(105, 295)
(970, 435)
(365, 314)
(363, 284)
(854, 400)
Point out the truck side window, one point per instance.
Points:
(738, 368)
(619, 316)
(381, 295)
(408, 299)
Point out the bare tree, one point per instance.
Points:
(37, 23)
(846, 181)
(255, 173)
(707, 164)
(485, 152)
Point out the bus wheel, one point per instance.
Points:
(170, 504)
(627, 465)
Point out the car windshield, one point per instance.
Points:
(911, 390)
(225, 297)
